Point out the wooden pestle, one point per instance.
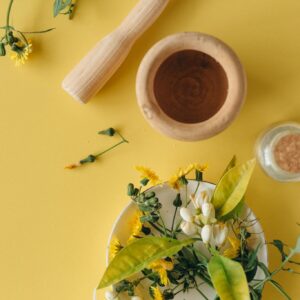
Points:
(97, 67)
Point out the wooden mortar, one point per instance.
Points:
(160, 118)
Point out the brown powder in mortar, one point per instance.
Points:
(190, 86)
(287, 153)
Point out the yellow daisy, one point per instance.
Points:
(161, 266)
(21, 55)
(136, 226)
(157, 294)
(114, 248)
(234, 249)
(149, 174)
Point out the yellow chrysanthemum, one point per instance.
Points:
(200, 168)
(114, 248)
(22, 54)
(161, 266)
(136, 226)
(157, 294)
(149, 174)
(234, 249)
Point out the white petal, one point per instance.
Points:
(136, 298)
(188, 228)
(206, 233)
(186, 214)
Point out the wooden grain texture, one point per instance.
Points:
(97, 67)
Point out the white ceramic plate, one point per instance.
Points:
(121, 230)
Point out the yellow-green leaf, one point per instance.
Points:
(228, 278)
(138, 255)
(232, 187)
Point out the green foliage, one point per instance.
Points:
(231, 188)
(138, 255)
(228, 278)
(109, 132)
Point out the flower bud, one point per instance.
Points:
(188, 228)
(186, 214)
(2, 50)
(208, 210)
(130, 189)
(177, 202)
(109, 295)
(206, 233)
(220, 233)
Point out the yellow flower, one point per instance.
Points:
(149, 174)
(114, 248)
(174, 181)
(157, 293)
(21, 55)
(136, 226)
(161, 266)
(234, 250)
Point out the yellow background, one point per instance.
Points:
(54, 223)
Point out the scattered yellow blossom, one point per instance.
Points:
(21, 54)
(157, 294)
(234, 249)
(149, 174)
(114, 248)
(182, 172)
(136, 226)
(161, 266)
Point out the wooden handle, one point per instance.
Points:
(97, 67)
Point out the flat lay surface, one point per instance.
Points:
(54, 223)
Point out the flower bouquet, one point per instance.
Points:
(190, 239)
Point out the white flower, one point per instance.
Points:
(204, 196)
(188, 225)
(109, 295)
(220, 233)
(186, 214)
(208, 210)
(189, 228)
(136, 298)
(206, 234)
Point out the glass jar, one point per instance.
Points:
(278, 151)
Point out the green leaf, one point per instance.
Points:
(232, 187)
(231, 164)
(280, 246)
(228, 278)
(138, 255)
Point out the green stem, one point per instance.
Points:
(114, 146)
(163, 224)
(173, 221)
(276, 270)
(8, 14)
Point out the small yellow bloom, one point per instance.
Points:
(20, 56)
(161, 266)
(234, 250)
(174, 180)
(157, 294)
(136, 226)
(149, 174)
(114, 248)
